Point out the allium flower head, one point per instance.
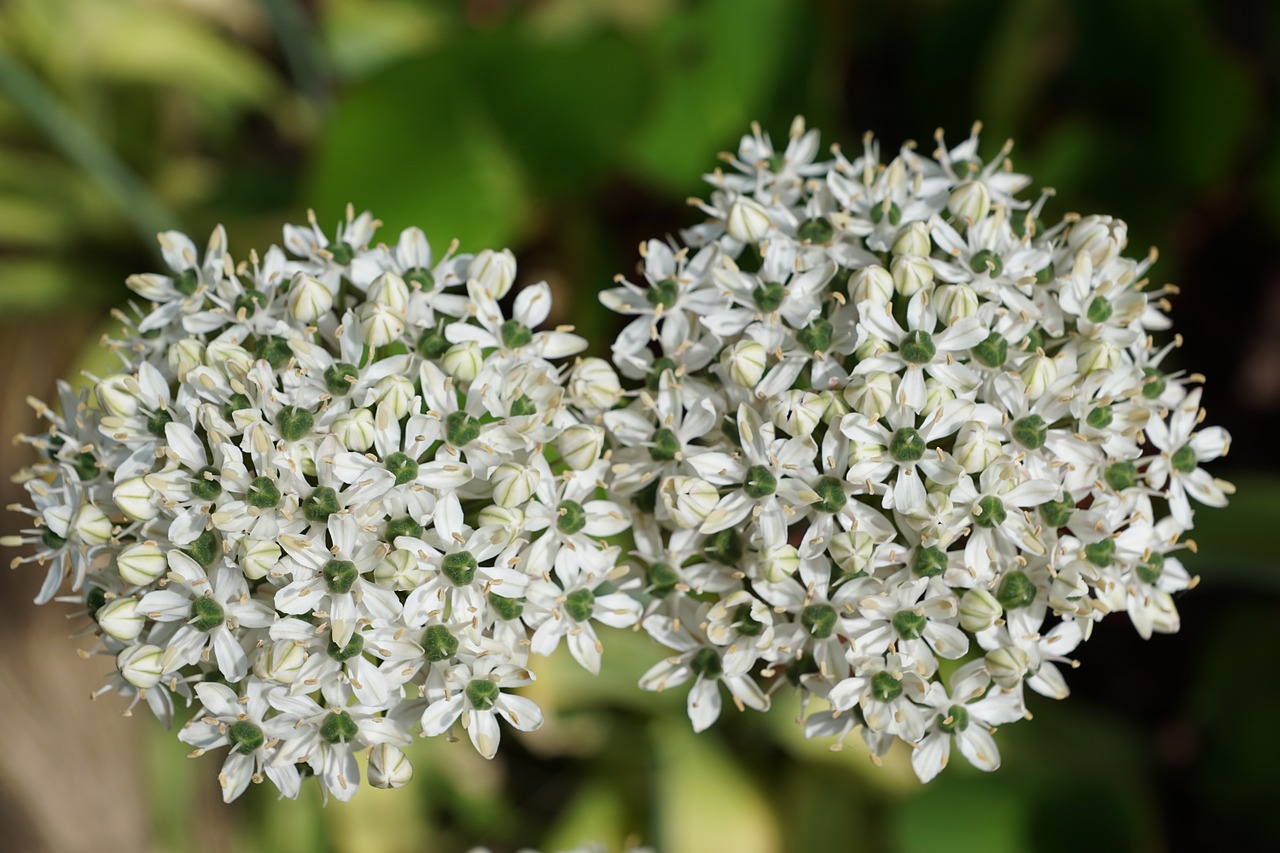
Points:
(888, 418)
(335, 494)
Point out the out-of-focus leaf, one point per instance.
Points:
(595, 815)
(165, 46)
(1024, 50)
(565, 105)
(978, 814)
(575, 17)
(414, 145)
(1235, 546)
(366, 36)
(704, 800)
(717, 67)
(31, 285)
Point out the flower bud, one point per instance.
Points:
(872, 283)
(744, 362)
(797, 412)
(834, 407)
(1164, 613)
(851, 550)
(309, 299)
(513, 484)
(913, 240)
(779, 562)
(970, 201)
(91, 526)
(356, 429)
(379, 325)
(1038, 373)
(260, 557)
(390, 291)
(935, 394)
(231, 359)
(1007, 665)
(510, 519)
(389, 767)
(493, 271)
(580, 445)
(955, 302)
(141, 564)
(280, 662)
(121, 620)
(1097, 354)
(1068, 593)
(979, 610)
(401, 570)
(871, 347)
(1103, 238)
(116, 397)
(593, 385)
(133, 497)
(911, 275)
(184, 356)
(141, 666)
(870, 394)
(396, 392)
(688, 500)
(463, 361)
(976, 447)
(748, 221)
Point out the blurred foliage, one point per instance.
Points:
(571, 129)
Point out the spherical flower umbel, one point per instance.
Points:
(314, 493)
(887, 418)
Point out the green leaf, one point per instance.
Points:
(1234, 544)
(414, 146)
(717, 67)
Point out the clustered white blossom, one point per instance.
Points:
(337, 494)
(898, 443)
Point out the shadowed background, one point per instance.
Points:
(570, 130)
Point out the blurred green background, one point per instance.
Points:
(571, 130)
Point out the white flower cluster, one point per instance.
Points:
(337, 495)
(898, 444)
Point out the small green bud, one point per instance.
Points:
(294, 422)
(1031, 432)
(816, 337)
(404, 467)
(460, 429)
(205, 485)
(1101, 553)
(909, 624)
(338, 727)
(993, 352)
(956, 720)
(723, 546)
(156, 423)
(1121, 475)
(1184, 459)
(578, 604)
(186, 282)
(275, 351)
(339, 378)
(1154, 384)
(664, 293)
(420, 278)
(205, 549)
(354, 646)
(482, 693)
(341, 253)
(885, 209)
(1099, 310)
(320, 504)
(506, 608)
(263, 493)
(768, 296)
(405, 526)
(1057, 513)
(918, 347)
(989, 512)
(885, 687)
(819, 620)
(666, 446)
(661, 579)
(515, 334)
(906, 445)
(1150, 571)
(571, 517)
(745, 623)
(759, 482)
(86, 466)
(929, 562)
(706, 663)
(986, 261)
(438, 644)
(246, 738)
(831, 496)
(432, 344)
(459, 568)
(340, 576)
(816, 230)
(249, 301)
(206, 614)
(1099, 417)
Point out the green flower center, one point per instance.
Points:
(294, 422)
(263, 493)
(403, 466)
(993, 352)
(205, 549)
(405, 526)
(235, 403)
(831, 496)
(345, 653)
(956, 720)
(86, 466)
(883, 210)
(205, 485)
(186, 282)
(482, 693)
(340, 377)
(341, 252)
(906, 445)
(432, 344)
(320, 504)
(420, 278)
(660, 366)
(1057, 513)
(1016, 590)
(460, 429)
(246, 738)
(661, 579)
(523, 406)
(1099, 310)
(1153, 384)
(705, 663)
(745, 623)
(578, 604)
(506, 608)
(1121, 475)
(1101, 553)
(438, 643)
(909, 624)
(1150, 571)
(664, 293)
(816, 230)
(1184, 459)
(986, 261)
(989, 512)
(819, 620)
(885, 687)
(723, 547)
(1030, 432)
(929, 562)
(571, 517)
(156, 423)
(249, 302)
(759, 482)
(769, 296)
(340, 576)
(207, 614)
(816, 337)
(459, 568)
(515, 334)
(666, 446)
(918, 347)
(1100, 417)
(338, 727)
(274, 351)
